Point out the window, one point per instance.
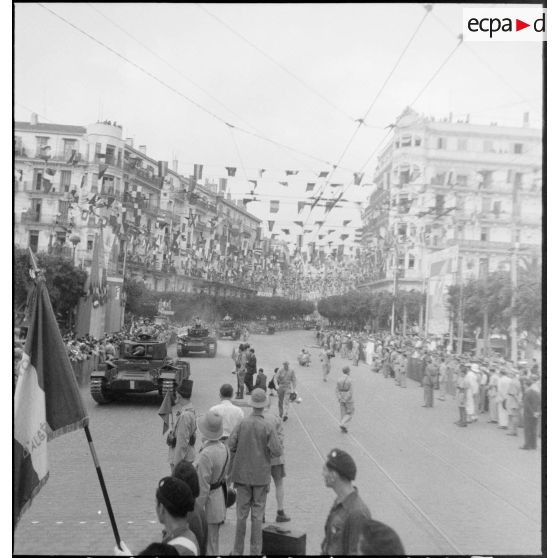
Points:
(486, 178)
(418, 141)
(117, 186)
(403, 203)
(440, 202)
(439, 179)
(404, 177)
(94, 183)
(518, 180)
(63, 207)
(18, 146)
(483, 268)
(126, 186)
(461, 180)
(441, 143)
(119, 160)
(488, 146)
(97, 151)
(484, 234)
(65, 180)
(110, 157)
(90, 240)
(34, 240)
(37, 179)
(401, 263)
(497, 208)
(69, 146)
(406, 141)
(61, 237)
(518, 148)
(402, 229)
(411, 264)
(462, 144)
(42, 143)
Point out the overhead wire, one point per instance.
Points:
(276, 62)
(179, 93)
(360, 121)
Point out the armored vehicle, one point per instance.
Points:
(229, 329)
(196, 339)
(142, 366)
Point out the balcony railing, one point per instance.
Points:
(30, 217)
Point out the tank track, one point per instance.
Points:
(97, 393)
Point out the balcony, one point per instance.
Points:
(30, 217)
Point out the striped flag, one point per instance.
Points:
(198, 172)
(47, 402)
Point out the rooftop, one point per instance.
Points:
(54, 128)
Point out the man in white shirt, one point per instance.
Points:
(232, 415)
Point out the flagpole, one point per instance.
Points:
(103, 486)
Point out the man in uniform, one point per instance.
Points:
(532, 412)
(349, 513)
(184, 431)
(344, 392)
(286, 383)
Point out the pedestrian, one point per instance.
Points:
(493, 396)
(185, 471)
(471, 402)
(403, 367)
(378, 539)
(241, 360)
(211, 465)
(502, 393)
(349, 513)
(513, 403)
(344, 392)
(356, 352)
(286, 384)
(483, 390)
(182, 438)
(253, 443)
(531, 413)
(326, 363)
(428, 383)
(443, 371)
(230, 413)
(251, 370)
(261, 380)
(462, 388)
(174, 500)
(278, 472)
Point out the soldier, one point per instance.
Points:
(403, 365)
(344, 392)
(182, 438)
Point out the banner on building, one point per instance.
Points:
(441, 271)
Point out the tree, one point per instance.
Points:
(64, 282)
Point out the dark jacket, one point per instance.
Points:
(261, 382)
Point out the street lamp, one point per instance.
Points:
(75, 239)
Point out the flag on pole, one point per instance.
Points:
(162, 168)
(231, 171)
(300, 206)
(310, 186)
(274, 206)
(284, 183)
(198, 172)
(47, 402)
(270, 225)
(165, 410)
(291, 172)
(346, 222)
(323, 174)
(254, 183)
(261, 172)
(358, 176)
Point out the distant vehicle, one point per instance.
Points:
(229, 329)
(142, 366)
(196, 340)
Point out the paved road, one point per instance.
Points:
(446, 490)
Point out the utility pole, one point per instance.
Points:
(486, 340)
(513, 321)
(395, 265)
(460, 321)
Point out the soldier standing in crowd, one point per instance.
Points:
(428, 383)
(211, 465)
(493, 396)
(326, 364)
(182, 438)
(462, 388)
(443, 379)
(231, 414)
(253, 443)
(251, 370)
(347, 516)
(502, 393)
(356, 352)
(344, 392)
(513, 403)
(241, 361)
(285, 380)
(531, 412)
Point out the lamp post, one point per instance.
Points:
(513, 320)
(75, 240)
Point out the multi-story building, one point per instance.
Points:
(444, 183)
(72, 182)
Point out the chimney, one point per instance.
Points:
(143, 149)
(130, 142)
(526, 120)
(175, 165)
(34, 119)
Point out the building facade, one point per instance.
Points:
(158, 226)
(440, 184)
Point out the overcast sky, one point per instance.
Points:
(343, 52)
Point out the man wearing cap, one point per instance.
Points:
(231, 414)
(344, 392)
(349, 513)
(174, 500)
(184, 427)
(286, 383)
(253, 444)
(211, 465)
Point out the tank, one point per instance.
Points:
(229, 329)
(196, 339)
(142, 366)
